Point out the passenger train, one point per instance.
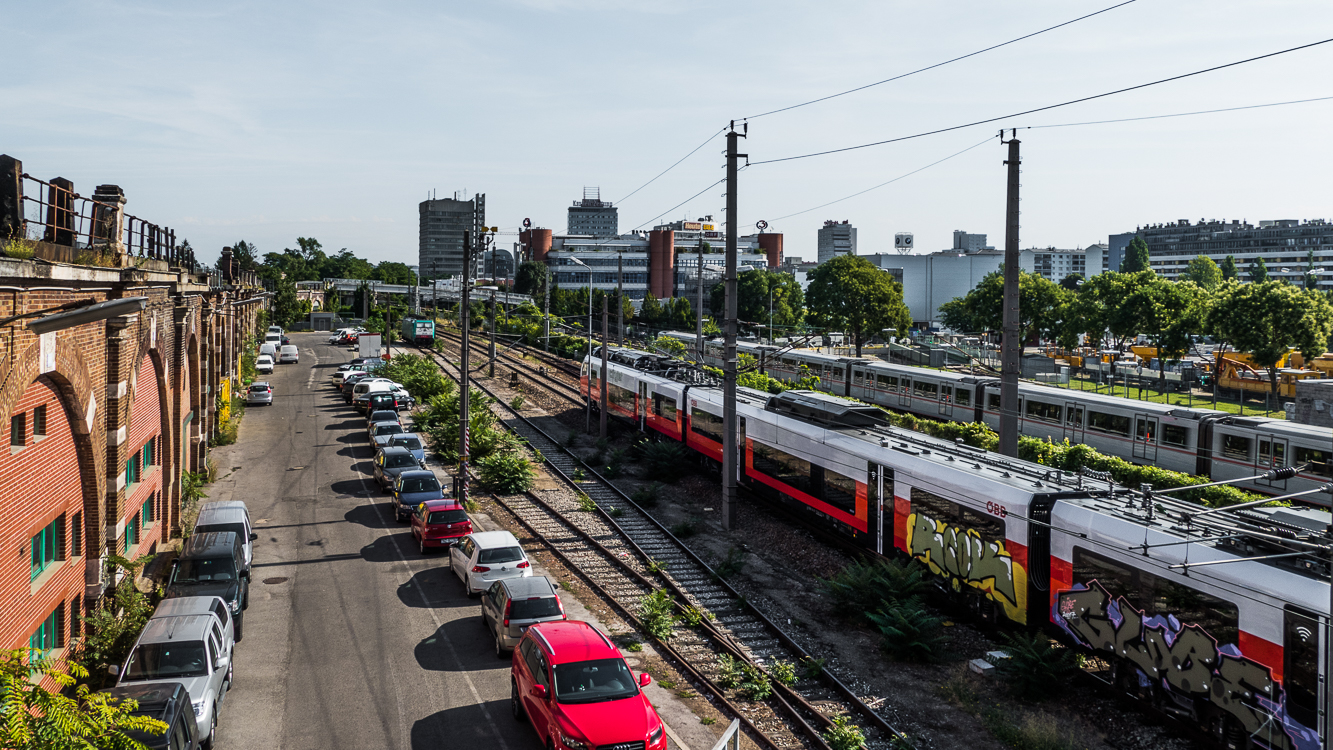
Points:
(1199, 441)
(1233, 648)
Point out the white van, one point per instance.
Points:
(273, 338)
(268, 350)
(288, 355)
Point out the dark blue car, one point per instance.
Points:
(413, 488)
(412, 442)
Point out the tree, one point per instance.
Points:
(38, 719)
(1258, 271)
(650, 312)
(1071, 282)
(286, 306)
(246, 255)
(531, 278)
(1311, 277)
(1204, 272)
(1097, 310)
(1229, 269)
(682, 313)
(756, 290)
(1168, 312)
(1269, 318)
(1041, 304)
(1136, 257)
(850, 294)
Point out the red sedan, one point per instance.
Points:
(440, 523)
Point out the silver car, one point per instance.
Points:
(510, 606)
(187, 650)
(486, 557)
(259, 392)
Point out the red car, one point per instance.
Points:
(572, 683)
(440, 523)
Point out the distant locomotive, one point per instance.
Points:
(1200, 441)
(419, 331)
(1213, 616)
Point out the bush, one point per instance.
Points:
(908, 632)
(586, 504)
(647, 496)
(663, 461)
(728, 671)
(516, 403)
(732, 565)
(657, 614)
(1036, 668)
(754, 684)
(862, 587)
(507, 473)
(20, 249)
(115, 624)
(684, 529)
(784, 671)
(844, 735)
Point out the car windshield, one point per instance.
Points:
(202, 570)
(501, 555)
(447, 516)
(239, 528)
(388, 429)
(593, 681)
(411, 443)
(534, 608)
(421, 484)
(399, 461)
(165, 661)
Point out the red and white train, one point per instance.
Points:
(1219, 618)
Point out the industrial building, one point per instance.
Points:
(443, 224)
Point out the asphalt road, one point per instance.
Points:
(352, 638)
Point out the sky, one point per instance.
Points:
(268, 121)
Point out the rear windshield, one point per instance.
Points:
(205, 570)
(447, 516)
(399, 460)
(383, 416)
(532, 609)
(156, 661)
(388, 429)
(412, 444)
(501, 555)
(239, 528)
(421, 484)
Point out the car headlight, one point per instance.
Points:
(655, 735)
(198, 709)
(235, 606)
(572, 743)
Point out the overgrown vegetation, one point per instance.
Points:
(648, 495)
(657, 614)
(19, 248)
(867, 585)
(909, 632)
(1036, 668)
(586, 504)
(732, 564)
(112, 628)
(192, 494)
(844, 735)
(783, 671)
(684, 529)
(664, 462)
(507, 473)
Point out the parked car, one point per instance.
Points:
(286, 340)
(405, 400)
(511, 606)
(289, 355)
(482, 559)
(412, 442)
(341, 375)
(188, 651)
(382, 415)
(382, 432)
(365, 387)
(268, 350)
(412, 488)
(259, 392)
(388, 464)
(350, 382)
(264, 364)
(169, 703)
(382, 401)
(189, 606)
(572, 683)
(211, 564)
(439, 523)
(275, 329)
(273, 339)
(233, 516)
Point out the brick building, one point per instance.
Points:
(102, 417)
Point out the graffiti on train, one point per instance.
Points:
(1187, 660)
(962, 557)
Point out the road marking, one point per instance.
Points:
(310, 383)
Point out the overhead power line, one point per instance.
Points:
(939, 64)
(673, 166)
(1178, 114)
(1047, 107)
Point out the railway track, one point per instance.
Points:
(551, 382)
(624, 554)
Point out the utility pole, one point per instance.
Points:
(491, 372)
(434, 291)
(601, 419)
(620, 303)
(699, 310)
(463, 323)
(729, 463)
(546, 306)
(1012, 346)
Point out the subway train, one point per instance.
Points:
(1213, 616)
(1199, 441)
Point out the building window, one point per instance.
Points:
(76, 535)
(132, 470)
(48, 546)
(132, 533)
(148, 453)
(147, 513)
(18, 430)
(50, 635)
(39, 422)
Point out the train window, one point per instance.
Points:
(837, 373)
(857, 377)
(946, 394)
(791, 470)
(664, 406)
(1174, 434)
(1074, 416)
(1110, 423)
(926, 390)
(962, 396)
(1159, 596)
(905, 386)
(1144, 429)
(1300, 673)
(887, 381)
(1271, 453)
(1043, 412)
(840, 491)
(620, 396)
(1317, 459)
(705, 424)
(1236, 446)
(941, 509)
(993, 401)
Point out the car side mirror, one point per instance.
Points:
(113, 670)
(539, 691)
(253, 536)
(221, 662)
(645, 679)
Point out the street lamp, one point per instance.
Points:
(588, 399)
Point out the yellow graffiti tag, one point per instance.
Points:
(961, 556)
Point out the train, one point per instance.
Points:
(419, 331)
(1204, 442)
(1214, 616)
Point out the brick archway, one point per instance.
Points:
(152, 343)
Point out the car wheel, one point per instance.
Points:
(515, 705)
(500, 653)
(424, 551)
(239, 632)
(212, 729)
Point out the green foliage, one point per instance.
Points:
(908, 632)
(754, 684)
(1071, 282)
(728, 671)
(586, 503)
(38, 719)
(657, 566)
(1228, 268)
(848, 293)
(732, 565)
(684, 529)
(1036, 731)
(634, 647)
(507, 473)
(671, 347)
(531, 279)
(578, 475)
(783, 671)
(663, 461)
(1041, 304)
(1204, 272)
(19, 248)
(419, 374)
(516, 403)
(707, 721)
(812, 668)
(864, 586)
(112, 628)
(1168, 312)
(440, 421)
(1268, 319)
(693, 616)
(647, 496)
(1258, 271)
(1136, 258)
(286, 305)
(1036, 668)
(844, 735)
(616, 511)
(753, 290)
(657, 614)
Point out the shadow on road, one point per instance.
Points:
(473, 645)
(434, 588)
(346, 424)
(354, 488)
(373, 516)
(467, 726)
(390, 548)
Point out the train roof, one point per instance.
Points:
(1283, 427)
(1087, 397)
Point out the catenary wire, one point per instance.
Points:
(1047, 107)
(1178, 114)
(939, 64)
(889, 182)
(673, 166)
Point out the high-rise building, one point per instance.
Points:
(836, 238)
(969, 243)
(1286, 245)
(593, 216)
(443, 223)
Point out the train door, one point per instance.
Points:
(1272, 454)
(1145, 437)
(905, 392)
(879, 479)
(642, 410)
(1073, 422)
(946, 398)
(1302, 633)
